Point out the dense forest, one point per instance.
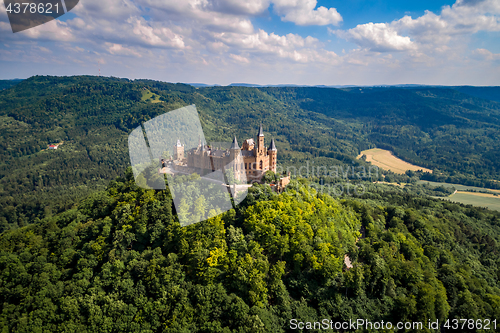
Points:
(84, 249)
(454, 133)
(5, 84)
(120, 261)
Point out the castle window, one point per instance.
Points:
(260, 165)
(245, 165)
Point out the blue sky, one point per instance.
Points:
(265, 42)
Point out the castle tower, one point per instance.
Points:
(178, 151)
(273, 156)
(260, 141)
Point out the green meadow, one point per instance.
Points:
(459, 187)
(476, 200)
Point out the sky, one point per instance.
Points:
(304, 42)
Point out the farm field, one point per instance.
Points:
(386, 160)
(476, 199)
(484, 197)
(460, 187)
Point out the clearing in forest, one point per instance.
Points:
(384, 159)
(487, 200)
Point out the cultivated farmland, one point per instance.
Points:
(384, 159)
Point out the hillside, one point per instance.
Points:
(441, 129)
(5, 84)
(121, 262)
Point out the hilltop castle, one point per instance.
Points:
(252, 160)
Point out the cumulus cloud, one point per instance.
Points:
(155, 36)
(109, 9)
(194, 28)
(483, 54)
(196, 13)
(379, 37)
(484, 6)
(264, 41)
(121, 50)
(429, 31)
(238, 7)
(239, 58)
(454, 21)
(303, 12)
(230, 13)
(291, 46)
(218, 36)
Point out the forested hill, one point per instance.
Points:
(4, 84)
(120, 262)
(491, 93)
(455, 134)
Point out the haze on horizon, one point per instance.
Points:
(266, 42)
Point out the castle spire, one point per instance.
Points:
(234, 145)
(272, 147)
(261, 132)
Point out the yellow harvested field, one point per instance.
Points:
(384, 159)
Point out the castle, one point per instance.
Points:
(252, 160)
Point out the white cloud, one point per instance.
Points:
(483, 54)
(197, 14)
(109, 9)
(292, 47)
(228, 13)
(454, 21)
(378, 37)
(303, 12)
(121, 50)
(217, 47)
(155, 36)
(239, 58)
(429, 32)
(239, 7)
(264, 41)
(207, 40)
(483, 6)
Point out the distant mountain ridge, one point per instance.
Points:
(484, 92)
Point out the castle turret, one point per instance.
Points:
(273, 156)
(236, 159)
(234, 145)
